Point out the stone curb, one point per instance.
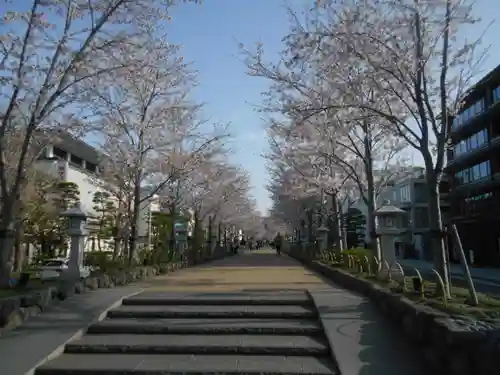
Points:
(79, 334)
(15, 310)
(448, 346)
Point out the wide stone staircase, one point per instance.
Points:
(240, 333)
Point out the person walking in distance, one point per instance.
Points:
(278, 242)
(236, 244)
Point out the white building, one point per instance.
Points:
(72, 160)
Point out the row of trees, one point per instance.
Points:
(105, 68)
(358, 83)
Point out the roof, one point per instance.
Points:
(77, 147)
(387, 208)
(492, 74)
(70, 143)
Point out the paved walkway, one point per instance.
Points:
(25, 347)
(251, 271)
(362, 341)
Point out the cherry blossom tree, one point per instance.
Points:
(414, 56)
(337, 151)
(150, 132)
(48, 50)
(210, 190)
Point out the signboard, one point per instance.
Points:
(62, 170)
(179, 226)
(180, 231)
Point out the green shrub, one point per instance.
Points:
(359, 252)
(104, 262)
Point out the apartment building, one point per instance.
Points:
(411, 194)
(408, 191)
(474, 171)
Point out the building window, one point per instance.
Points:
(76, 160)
(474, 141)
(61, 154)
(468, 114)
(421, 217)
(421, 193)
(496, 94)
(475, 173)
(90, 167)
(404, 193)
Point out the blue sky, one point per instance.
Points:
(210, 33)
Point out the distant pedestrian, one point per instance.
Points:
(235, 245)
(278, 242)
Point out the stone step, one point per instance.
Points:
(197, 344)
(158, 298)
(207, 326)
(141, 364)
(217, 311)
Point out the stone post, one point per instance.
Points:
(77, 233)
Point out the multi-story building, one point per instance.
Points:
(409, 192)
(474, 171)
(72, 160)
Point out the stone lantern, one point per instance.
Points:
(389, 229)
(77, 232)
(322, 233)
(181, 238)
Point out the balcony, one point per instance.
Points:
(473, 156)
(478, 186)
(475, 123)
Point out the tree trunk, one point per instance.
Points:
(173, 210)
(134, 230)
(337, 222)
(116, 246)
(6, 247)
(370, 194)
(210, 240)
(310, 234)
(438, 236)
(19, 251)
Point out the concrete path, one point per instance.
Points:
(361, 340)
(251, 271)
(25, 347)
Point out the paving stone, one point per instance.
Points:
(204, 344)
(210, 311)
(207, 326)
(116, 364)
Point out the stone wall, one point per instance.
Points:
(450, 345)
(16, 309)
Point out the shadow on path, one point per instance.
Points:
(364, 341)
(24, 347)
